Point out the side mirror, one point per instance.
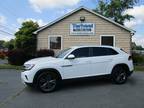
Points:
(71, 56)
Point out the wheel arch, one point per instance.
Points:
(123, 65)
(44, 70)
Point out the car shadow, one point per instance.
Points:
(132, 81)
(31, 90)
(85, 83)
(80, 83)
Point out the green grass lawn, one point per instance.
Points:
(8, 66)
(139, 68)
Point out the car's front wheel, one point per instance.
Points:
(119, 75)
(47, 82)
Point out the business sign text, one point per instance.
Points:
(82, 29)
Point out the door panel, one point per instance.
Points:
(100, 64)
(79, 67)
(101, 59)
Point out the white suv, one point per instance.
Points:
(76, 62)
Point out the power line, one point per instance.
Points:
(12, 12)
(6, 9)
(6, 32)
(14, 16)
(6, 27)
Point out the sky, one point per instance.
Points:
(14, 12)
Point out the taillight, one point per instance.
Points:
(130, 58)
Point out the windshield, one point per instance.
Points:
(62, 53)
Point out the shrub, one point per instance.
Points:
(2, 55)
(44, 53)
(17, 57)
(138, 58)
(10, 47)
(5, 53)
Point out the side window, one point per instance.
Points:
(101, 51)
(97, 51)
(111, 51)
(81, 52)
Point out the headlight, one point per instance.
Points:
(28, 66)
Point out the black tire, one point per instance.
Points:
(119, 75)
(47, 82)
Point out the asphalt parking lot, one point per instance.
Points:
(95, 93)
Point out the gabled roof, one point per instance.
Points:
(89, 10)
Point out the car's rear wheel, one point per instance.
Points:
(119, 75)
(47, 82)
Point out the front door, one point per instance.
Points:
(78, 67)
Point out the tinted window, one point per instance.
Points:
(62, 53)
(100, 51)
(111, 51)
(107, 40)
(81, 52)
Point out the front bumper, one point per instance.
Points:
(27, 76)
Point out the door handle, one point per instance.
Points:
(66, 65)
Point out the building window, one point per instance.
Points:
(108, 40)
(55, 42)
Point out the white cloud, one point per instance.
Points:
(138, 13)
(4, 33)
(39, 5)
(6, 37)
(39, 21)
(2, 19)
(62, 12)
(133, 23)
(138, 39)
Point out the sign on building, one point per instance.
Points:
(82, 29)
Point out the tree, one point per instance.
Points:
(10, 44)
(136, 47)
(114, 9)
(133, 45)
(2, 43)
(102, 6)
(25, 39)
